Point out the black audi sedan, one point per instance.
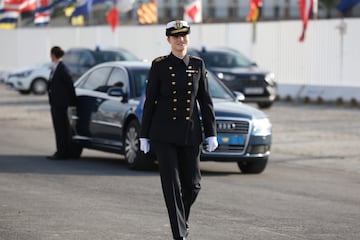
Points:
(241, 74)
(109, 109)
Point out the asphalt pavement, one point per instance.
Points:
(309, 191)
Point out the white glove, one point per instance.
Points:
(212, 143)
(144, 145)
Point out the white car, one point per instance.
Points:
(4, 76)
(30, 80)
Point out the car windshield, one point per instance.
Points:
(110, 55)
(217, 89)
(106, 56)
(128, 56)
(225, 59)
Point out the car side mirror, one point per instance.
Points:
(254, 64)
(239, 96)
(118, 92)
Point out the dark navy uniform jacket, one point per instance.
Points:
(171, 113)
(60, 87)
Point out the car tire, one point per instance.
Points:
(264, 105)
(135, 158)
(255, 166)
(39, 86)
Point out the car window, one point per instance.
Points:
(122, 54)
(96, 80)
(241, 61)
(108, 56)
(128, 56)
(71, 58)
(225, 60)
(118, 76)
(99, 56)
(86, 59)
(139, 77)
(217, 90)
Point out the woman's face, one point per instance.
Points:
(52, 57)
(179, 43)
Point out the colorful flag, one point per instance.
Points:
(42, 19)
(84, 6)
(113, 18)
(8, 19)
(44, 7)
(346, 5)
(255, 10)
(147, 13)
(42, 13)
(193, 12)
(20, 5)
(68, 11)
(78, 20)
(306, 8)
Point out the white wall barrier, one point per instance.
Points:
(326, 65)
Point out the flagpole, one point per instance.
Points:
(253, 32)
(315, 9)
(19, 23)
(342, 31)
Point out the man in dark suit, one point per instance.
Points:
(171, 124)
(61, 95)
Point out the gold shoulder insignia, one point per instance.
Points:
(158, 59)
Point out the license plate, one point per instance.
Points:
(230, 139)
(254, 90)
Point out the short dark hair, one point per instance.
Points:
(57, 52)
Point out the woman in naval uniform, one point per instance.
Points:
(177, 84)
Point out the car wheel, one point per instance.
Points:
(264, 105)
(39, 86)
(134, 157)
(253, 166)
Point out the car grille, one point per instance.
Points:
(252, 80)
(232, 127)
(228, 126)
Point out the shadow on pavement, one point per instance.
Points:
(84, 166)
(81, 166)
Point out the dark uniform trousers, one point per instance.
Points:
(180, 180)
(62, 130)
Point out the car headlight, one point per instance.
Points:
(261, 127)
(270, 78)
(226, 77)
(22, 74)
